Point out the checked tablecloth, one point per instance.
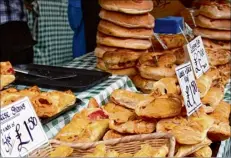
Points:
(102, 92)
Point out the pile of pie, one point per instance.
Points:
(129, 113)
(124, 33)
(214, 26)
(46, 104)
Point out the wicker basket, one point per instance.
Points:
(128, 144)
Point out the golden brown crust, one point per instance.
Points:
(217, 44)
(156, 73)
(218, 57)
(212, 34)
(121, 59)
(111, 134)
(100, 50)
(133, 127)
(203, 152)
(213, 97)
(127, 6)
(61, 151)
(216, 11)
(205, 22)
(126, 20)
(171, 41)
(204, 83)
(163, 107)
(129, 43)
(124, 71)
(112, 29)
(130, 99)
(5, 80)
(220, 130)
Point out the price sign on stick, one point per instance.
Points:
(198, 56)
(21, 131)
(188, 87)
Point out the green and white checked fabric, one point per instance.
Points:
(54, 34)
(100, 92)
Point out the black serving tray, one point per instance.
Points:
(83, 80)
(69, 108)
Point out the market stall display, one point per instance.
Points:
(124, 31)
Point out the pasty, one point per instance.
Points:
(47, 104)
(148, 151)
(203, 84)
(203, 152)
(130, 99)
(162, 107)
(220, 130)
(119, 113)
(218, 57)
(87, 126)
(133, 127)
(61, 151)
(197, 128)
(111, 134)
(185, 150)
(213, 97)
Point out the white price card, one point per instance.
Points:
(21, 131)
(198, 56)
(188, 87)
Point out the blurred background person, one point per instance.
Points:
(76, 22)
(16, 42)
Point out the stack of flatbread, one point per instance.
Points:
(214, 26)
(124, 32)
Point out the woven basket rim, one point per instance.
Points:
(141, 137)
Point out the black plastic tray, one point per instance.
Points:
(69, 108)
(83, 80)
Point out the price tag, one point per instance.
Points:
(21, 131)
(198, 56)
(188, 87)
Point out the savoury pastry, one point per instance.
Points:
(220, 129)
(47, 104)
(6, 74)
(218, 57)
(148, 151)
(216, 11)
(127, 20)
(61, 151)
(127, 6)
(162, 107)
(186, 150)
(217, 24)
(111, 134)
(203, 84)
(203, 152)
(130, 99)
(119, 113)
(217, 44)
(133, 127)
(111, 29)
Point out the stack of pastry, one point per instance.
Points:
(124, 32)
(156, 70)
(214, 25)
(129, 113)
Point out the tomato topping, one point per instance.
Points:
(10, 70)
(99, 114)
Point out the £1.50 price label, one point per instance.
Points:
(21, 131)
(198, 56)
(188, 87)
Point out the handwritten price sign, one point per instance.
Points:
(188, 87)
(198, 56)
(21, 131)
